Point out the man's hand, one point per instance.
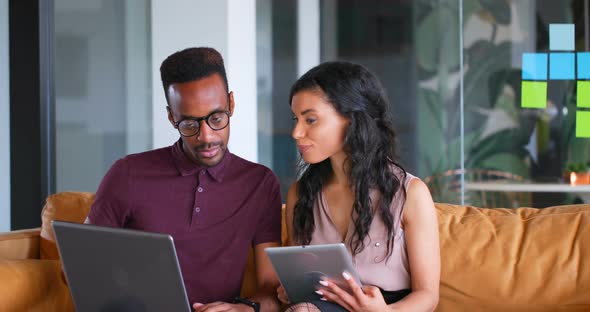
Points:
(220, 306)
(367, 298)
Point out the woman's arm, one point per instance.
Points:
(421, 234)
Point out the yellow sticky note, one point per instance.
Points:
(534, 94)
(583, 94)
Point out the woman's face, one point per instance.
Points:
(319, 129)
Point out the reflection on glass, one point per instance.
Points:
(520, 109)
(102, 80)
(525, 124)
(277, 71)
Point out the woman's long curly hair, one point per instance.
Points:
(369, 144)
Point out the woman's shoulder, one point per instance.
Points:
(404, 176)
(418, 199)
(415, 187)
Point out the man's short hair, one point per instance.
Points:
(191, 64)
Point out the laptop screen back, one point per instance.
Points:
(111, 269)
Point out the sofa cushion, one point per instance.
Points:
(33, 285)
(514, 259)
(64, 206)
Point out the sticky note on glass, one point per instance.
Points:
(583, 94)
(562, 66)
(561, 37)
(583, 65)
(583, 124)
(534, 66)
(534, 94)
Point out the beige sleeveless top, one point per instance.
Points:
(372, 264)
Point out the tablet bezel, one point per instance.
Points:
(296, 266)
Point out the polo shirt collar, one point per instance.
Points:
(186, 166)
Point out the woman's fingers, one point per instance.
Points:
(337, 294)
(355, 288)
(282, 295)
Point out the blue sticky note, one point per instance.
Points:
(534, 66)
(583, 65)
(562, 66)
(561, 37)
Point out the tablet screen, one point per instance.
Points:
(300, 268)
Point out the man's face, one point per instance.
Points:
(195, 99)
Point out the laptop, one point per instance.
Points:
(110, 269)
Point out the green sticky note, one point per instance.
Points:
(583, 96)
(534, 94)
(583, 124)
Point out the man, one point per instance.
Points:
(215, 204)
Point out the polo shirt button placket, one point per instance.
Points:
(197, 207)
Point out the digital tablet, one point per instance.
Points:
(300, 268)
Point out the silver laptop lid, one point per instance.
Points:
(111, 269)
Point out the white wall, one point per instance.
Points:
(308, 35)
(240, 65)
(4, 121)
(226, 25)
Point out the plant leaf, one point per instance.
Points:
(506, 162)
(499, 9)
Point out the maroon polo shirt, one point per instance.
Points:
(215, 214)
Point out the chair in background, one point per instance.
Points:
(445, 187)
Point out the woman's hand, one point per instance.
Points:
(365, 299)
(282, 295)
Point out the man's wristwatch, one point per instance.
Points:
(254, 305)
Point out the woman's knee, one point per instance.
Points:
(303, 307)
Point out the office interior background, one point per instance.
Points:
(80, 88)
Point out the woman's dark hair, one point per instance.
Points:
(370, 146)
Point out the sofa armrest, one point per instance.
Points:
(33, 285)
(23, 244)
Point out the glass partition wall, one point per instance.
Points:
(102, 87)
(489, 97)
(524, 125)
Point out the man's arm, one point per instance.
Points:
(112, 205)
(267, 281)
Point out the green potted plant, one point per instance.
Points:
(580, 172)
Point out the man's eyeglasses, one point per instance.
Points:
(191, 126)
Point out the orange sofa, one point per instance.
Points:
(521, 259)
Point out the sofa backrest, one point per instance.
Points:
(64, 206)
(521, 259)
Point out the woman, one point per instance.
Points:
(352, 191)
